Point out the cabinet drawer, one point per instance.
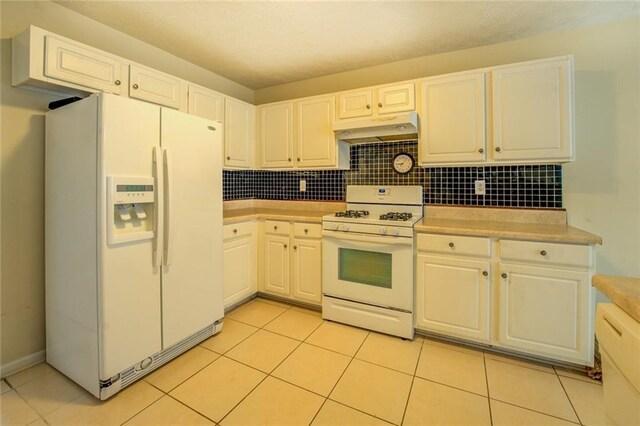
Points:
(310, 230)
(276, 227)
(545, 253)
(455, 244)
(234, 230)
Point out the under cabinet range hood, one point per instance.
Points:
(393, 127)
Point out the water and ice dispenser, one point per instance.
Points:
(130, 210)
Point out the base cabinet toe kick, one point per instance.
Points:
(533, 298)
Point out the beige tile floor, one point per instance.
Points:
(274, 364)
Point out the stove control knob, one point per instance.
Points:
(395, 231)
(345, 227)
(383, 230)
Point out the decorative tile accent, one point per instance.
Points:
(528, 186)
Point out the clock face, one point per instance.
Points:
(403, 163)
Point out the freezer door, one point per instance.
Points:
(192, 263)
(129, 285)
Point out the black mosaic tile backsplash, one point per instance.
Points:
(533, 186)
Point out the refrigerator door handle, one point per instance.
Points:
(168, 209)
(159, 216)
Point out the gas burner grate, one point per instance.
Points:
(396, 216)
(353, 213)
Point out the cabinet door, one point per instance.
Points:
(275, 135)
(80, 65)
(307, 270)
(157, 87)
(316, 142)
(452, 296)
(356, 103)
(396, 98)
(545, 311)
(239, 133)
(533, 111)
(206, 103)
(239, 268)
(452, 114)
(276, 264)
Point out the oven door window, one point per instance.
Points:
(365, 267)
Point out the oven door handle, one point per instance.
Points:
(367, 238)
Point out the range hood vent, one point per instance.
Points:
(394, 127)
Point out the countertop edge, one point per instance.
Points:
(624, 292)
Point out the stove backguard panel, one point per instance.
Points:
(533, 186)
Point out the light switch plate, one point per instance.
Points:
(303, 185)
(480, 187)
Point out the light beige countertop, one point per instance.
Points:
(508, 230)
(516, 224)
(295, 211)
(623, 291)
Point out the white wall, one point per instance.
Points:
(602, 187)
(22, 327)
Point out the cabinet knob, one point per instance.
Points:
(451, 245)
(295, 247)
(543, 253)
(289, 159)
(379, 104)
(306, 231)
(481, 150)
(498, 149)
(228, 157)
(235, 231)
(135, 86)
(117, 82)
(485, 273)
(285, 246)
(368, 106)
(298, 158)
(503, 275)
(275, 227)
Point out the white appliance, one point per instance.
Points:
(619, 341)
(133, 228)
(389, 127)
(367, 253)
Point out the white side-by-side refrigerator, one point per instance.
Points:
(133, 229)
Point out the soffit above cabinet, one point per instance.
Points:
(262, 44)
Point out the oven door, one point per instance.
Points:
(372, 269)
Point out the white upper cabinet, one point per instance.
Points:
(533, 111)
(239, 133)
(396, 98)
(206, 103)
(299, 134)
(275, 135)
(86, 67)
(55, 64)
(377, 100)
(154, 86)
(527, 109)
(452, 112)
(315, 140)
(355, 103)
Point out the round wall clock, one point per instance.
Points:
(403, 163)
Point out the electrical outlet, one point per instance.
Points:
(480, 187)
(303, 185)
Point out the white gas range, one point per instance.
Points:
(367, 254)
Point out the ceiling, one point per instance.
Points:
(265, 43)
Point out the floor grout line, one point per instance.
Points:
(486, 380)
(413, 379)
(569, 398)
(535, 411)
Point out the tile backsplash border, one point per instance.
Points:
(521, 186)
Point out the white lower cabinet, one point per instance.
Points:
(546, 302)
(452, 296)
(453, 276)
(543, 302)
(240, 260)
(291, 265)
